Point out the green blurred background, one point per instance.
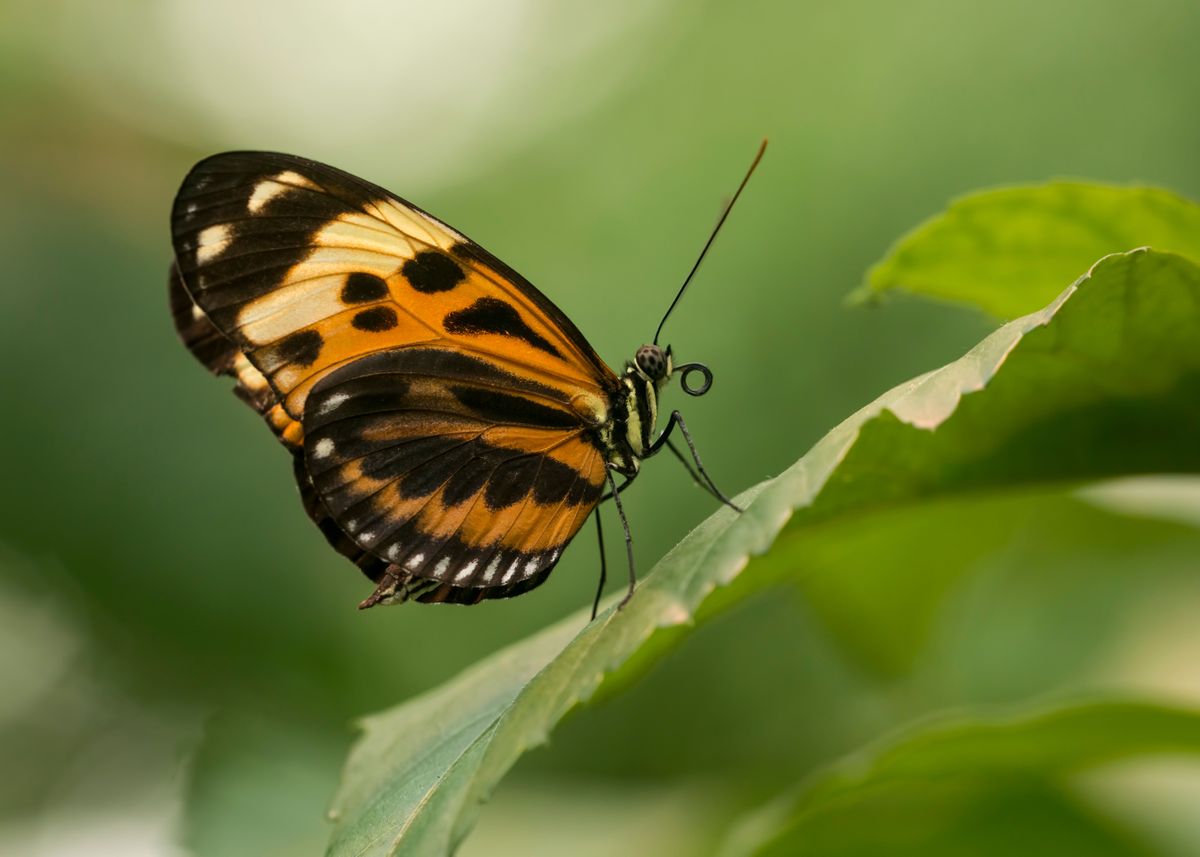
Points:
(181, 655)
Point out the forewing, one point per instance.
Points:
(306, 268)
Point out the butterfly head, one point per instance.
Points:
(654, 363)
(657, 365)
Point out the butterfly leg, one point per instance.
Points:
(600, 533)
(664, 439)
(688, 467)
(603, 564)
(618, 489)
(706, 483)
(616, 495)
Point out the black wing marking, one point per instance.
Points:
(425, 459)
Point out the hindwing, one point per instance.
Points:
(450, 467)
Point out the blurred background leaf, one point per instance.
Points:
(1009, 251)
(973, 783)
(149, 523)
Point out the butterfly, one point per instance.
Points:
(450, 428)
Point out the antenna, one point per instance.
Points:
(762, 148)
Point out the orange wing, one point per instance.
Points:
(443, 411)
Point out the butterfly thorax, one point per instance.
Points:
(634, 409)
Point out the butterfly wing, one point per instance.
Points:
(442, 409)
(450, 467)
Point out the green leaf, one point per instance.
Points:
(934, 783)
(1100, 383)
(1010, 251)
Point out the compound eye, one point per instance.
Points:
(651, 360)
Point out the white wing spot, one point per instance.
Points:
(512, 570)
(531, 566)
(393, 551)
(554, 556)
(332, 402)
(440, 568)
(212, 242)
(368, 536)
(267, 189)
(490, 571)
(190, 209)
(466, 570)
(197, 313)
(415, 561)
(351, 525)
(323, 448)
